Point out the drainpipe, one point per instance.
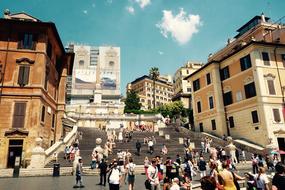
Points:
(225, 109)
(280, 83)
(6, 58)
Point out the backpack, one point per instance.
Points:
(131, 170)
(187, 169)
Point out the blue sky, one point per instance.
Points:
(161, 33)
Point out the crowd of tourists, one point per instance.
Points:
(218, 172)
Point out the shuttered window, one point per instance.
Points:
(254, 117)
(271, 88)
(199, 107)
(231, 122)
(43, 114)
(249, 90)
(245, 63)
(27, 41)
(208, 76)
(228, 98)
(213, 124)
(265, 58)
(23, 77)
(19, 115)
(211, 102)
(53, 120)
(276, 115)
(225, 73)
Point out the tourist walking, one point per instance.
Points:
(150, 146)
(261, 180)
(278, 182)
(202, 166)
(78, 173)
(103, 172)
(254, 160)
(131, 173)
(94, 159)
(114, 177)
(152, 175)
(138, 147)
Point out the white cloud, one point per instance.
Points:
(85, 12)
(130, 9)
(143, 3)
(181, 27)
(93, 5)
(160, 52)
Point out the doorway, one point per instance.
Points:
(15, 150)
(281, 144)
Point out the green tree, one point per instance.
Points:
(154, 74)
(171, 109)
(132, 101)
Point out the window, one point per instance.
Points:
(201, 127)
(276, 115)
(271, 88)
(239, 96)
(81, 62)
(211, 102)
(43, 114)
(53, 120)
(19, 115)
(196, 85)
(27, 41)
(231, 122)
(245, 63)
(249, 90)
(23, 77)
(208, 76)
(265, 58)
(225, 73)
(111, 63)
(228, 98)
(213, 124)
(188, 89)
(199, 106)
(254, 117)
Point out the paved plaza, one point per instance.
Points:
(67, 182)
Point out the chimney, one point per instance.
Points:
(263, 17)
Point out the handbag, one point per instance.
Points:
(147, 184)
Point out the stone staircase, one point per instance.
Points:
(86, 146)
(173, 146)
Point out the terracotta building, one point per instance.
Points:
(240, 91)
(33, 66)
(143, 87)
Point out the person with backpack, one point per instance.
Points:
(187, 169)
(131, 173)
(202, 165)
(138, 147)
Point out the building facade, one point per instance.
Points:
(183, 88)
(143, 86)
(34, 66)
(96, 75)
(240, 91)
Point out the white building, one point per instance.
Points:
(96, 75)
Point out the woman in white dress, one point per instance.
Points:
(120, 137)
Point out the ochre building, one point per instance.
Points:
(240, 91)
(33, 66)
